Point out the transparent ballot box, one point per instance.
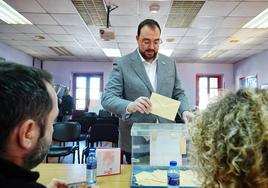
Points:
(153, 147)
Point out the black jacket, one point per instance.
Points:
(14, 176)
(67, 105)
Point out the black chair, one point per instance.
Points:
(104, 113)
(111, 119)
(102, 132)
(65, 132)
(77, 114)
(178, 119)
(86, 123)
(90, 114)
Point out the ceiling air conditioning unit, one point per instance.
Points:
(107, 34)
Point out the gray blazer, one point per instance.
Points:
(128, 81)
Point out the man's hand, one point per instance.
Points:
(56, 183)
(141, 104)
(187, 116)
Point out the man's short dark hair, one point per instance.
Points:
(23, 95)
(149, 22)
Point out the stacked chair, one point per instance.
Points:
(104, 129)
(65, 132)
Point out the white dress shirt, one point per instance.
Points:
(150, 69)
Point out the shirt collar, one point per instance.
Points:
(143, 60)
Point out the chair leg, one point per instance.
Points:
(78, 155)
(82, 158)
(58, 159)
(78, 151)
(73, 157)
(47, 159)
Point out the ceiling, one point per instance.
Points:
(214, 25)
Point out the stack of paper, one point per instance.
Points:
(155, 178)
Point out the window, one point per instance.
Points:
(207, 87)
(87, 89)
(248, 82)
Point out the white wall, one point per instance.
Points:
(255, 65)
(62, 70)
(13, 55)
(187, 73)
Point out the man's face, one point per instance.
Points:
(38, 154)
(148, 42)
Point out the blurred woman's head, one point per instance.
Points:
(230, 140)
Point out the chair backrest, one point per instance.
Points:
(104, 132)
(66, 131)
(86, 123)
(112, 119)
(178, 119)
(104, 113)
(90, 114)
(77, 114)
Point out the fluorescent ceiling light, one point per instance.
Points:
(10, 15)
(166, 52)
(214, 53)
(112, 52)
(260, 21)
(154, 8)
(61, 51)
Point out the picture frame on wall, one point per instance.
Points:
(248, 81)
(252, 81)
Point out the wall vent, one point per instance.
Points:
(93, 12)
(61, 51)
(182, 13)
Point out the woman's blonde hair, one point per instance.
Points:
(230, 141)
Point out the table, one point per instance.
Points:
(77, 172)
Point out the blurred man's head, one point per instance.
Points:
(230, 141)
(28, 109)
(66, 91)
(148, 39)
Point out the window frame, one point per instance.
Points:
(208, 76)
(88, 75)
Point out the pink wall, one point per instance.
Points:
(62, 72)
(255, 65)
(16, 56)
(187, 73)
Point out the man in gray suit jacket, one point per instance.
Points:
(135, 76)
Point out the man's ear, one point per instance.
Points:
(28, 134)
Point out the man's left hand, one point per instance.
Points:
(187, 116)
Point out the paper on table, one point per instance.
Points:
(155, 178)
(158, 177)
(164, 107)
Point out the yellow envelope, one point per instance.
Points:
(164, 107)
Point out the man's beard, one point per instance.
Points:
(143, 54)
(37, 155)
